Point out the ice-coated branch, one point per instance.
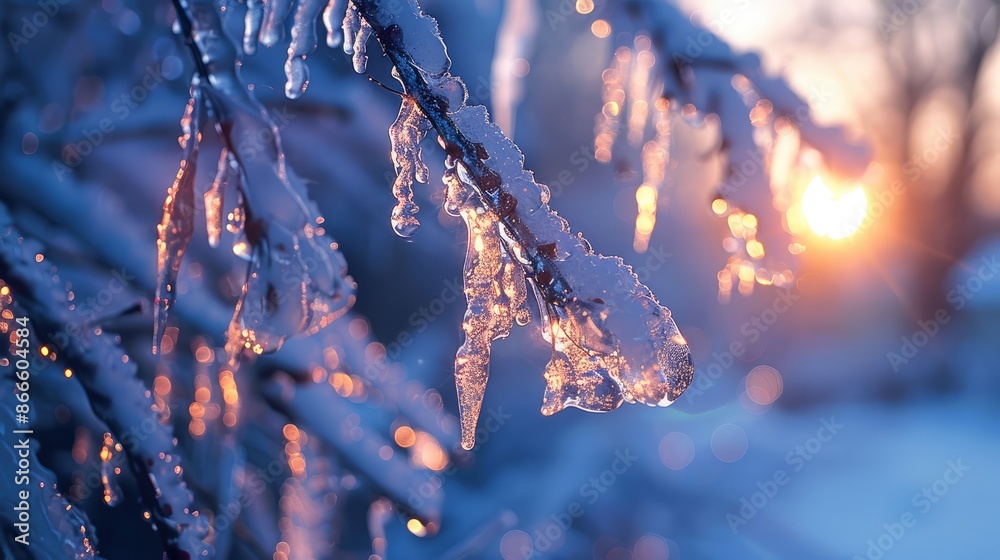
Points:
(117, 396)
(296, 280)
(686, 77)
(664, 64)
(612, 341)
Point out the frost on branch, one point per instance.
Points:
(658, 70)
(296, 279)
(114, 391)
(612, 341)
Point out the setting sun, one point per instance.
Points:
(830, 215)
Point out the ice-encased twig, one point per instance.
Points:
(709, 76)
(117, 396)
(296, 280)
(629, 347)
(670, 30)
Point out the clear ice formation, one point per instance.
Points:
(297, 281)
(612, 342)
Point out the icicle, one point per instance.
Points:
(638, 90)
(177, 224)
(515, 44)
(214, 197)
(655, 157)
(357, 31)
(352, 26)
(311, 498)
(379, 514)
(331, 17)
(303, 42)
(251, 25)
(495, 292)
(272, 30)
(405, 134)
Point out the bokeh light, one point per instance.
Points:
(764, 385)
(729, 443)
(516, 545)
(676, 450)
